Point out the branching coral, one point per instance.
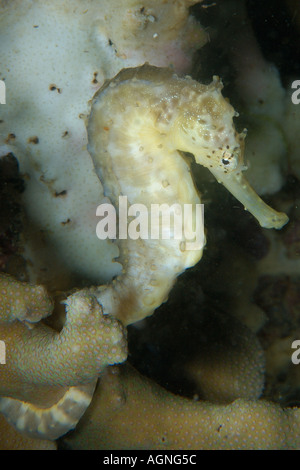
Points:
(41, 363)
(20, 301)
(125, 402)
(171, 123)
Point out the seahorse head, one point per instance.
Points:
(154, 109)
(205, 128)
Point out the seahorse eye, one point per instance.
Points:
(229, 159)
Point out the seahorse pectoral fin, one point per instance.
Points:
(239, 187)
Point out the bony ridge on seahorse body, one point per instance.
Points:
(140, 123)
